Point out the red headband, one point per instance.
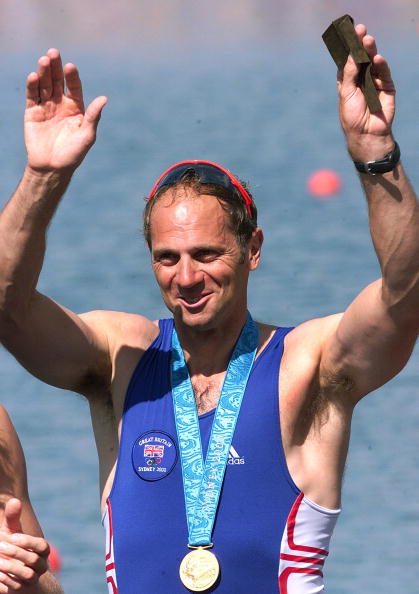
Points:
(208, 173)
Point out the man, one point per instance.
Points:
(23, 549)
(266, 523)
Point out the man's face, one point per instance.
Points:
(199, 267)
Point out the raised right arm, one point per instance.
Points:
(54, 344)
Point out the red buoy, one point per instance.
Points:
(54, 559)
(324, 183)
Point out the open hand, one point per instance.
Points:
(368, 134)
(23, 558)
(58, 131)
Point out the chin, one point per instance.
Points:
(201, 320)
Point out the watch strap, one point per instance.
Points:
(387, 163)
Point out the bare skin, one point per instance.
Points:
(23, 549)
(328, 364)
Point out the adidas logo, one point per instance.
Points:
(233, 457)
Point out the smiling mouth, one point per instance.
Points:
(193, 301)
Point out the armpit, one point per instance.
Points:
(333, 391)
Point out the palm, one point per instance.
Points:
(356, 116)
(58, 132)
(53, 135)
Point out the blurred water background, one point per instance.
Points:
(248, 84)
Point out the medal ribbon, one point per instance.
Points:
(202, 482)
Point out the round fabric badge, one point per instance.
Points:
(154, 455)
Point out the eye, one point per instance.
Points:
(165, 258)
(206, 255)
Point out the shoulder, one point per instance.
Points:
(119, 328)
(125, 337)
(304, 348)
(314, 334)
(6, 425)
(306, 340)
(8, 436)
(13, 477)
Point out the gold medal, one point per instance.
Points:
(199, 570)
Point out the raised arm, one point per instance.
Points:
(23, 549)
(54, 344)
(376, 335)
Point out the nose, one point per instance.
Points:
(188, 273)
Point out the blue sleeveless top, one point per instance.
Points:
(146, 503)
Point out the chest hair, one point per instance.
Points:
(207, 392)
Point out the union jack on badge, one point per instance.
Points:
(154, 450)
(154, 455)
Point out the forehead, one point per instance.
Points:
(181, 211)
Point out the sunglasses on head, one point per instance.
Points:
(207, 173)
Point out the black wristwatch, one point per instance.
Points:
(388, 163)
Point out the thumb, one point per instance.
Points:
(11, 519)
(348, 77)
(93, 112)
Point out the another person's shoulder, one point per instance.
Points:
(5, 421)
(12, 461)
(8, 435)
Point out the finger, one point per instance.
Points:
(361, 31)
(381, 74)
(8, 583)
(57, 74)
(38, 562)
(11, 519)
(32, 89)
(45, 81)
(370, 46)
(37, 544)
(18, 570)
(93, 112)
(349, 75)
(74, 86)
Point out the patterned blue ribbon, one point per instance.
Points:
(202, 483)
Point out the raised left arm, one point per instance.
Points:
(376, 335)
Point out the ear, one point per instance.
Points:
(254, 248)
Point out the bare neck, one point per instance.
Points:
(207, 352)
(207, 355)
